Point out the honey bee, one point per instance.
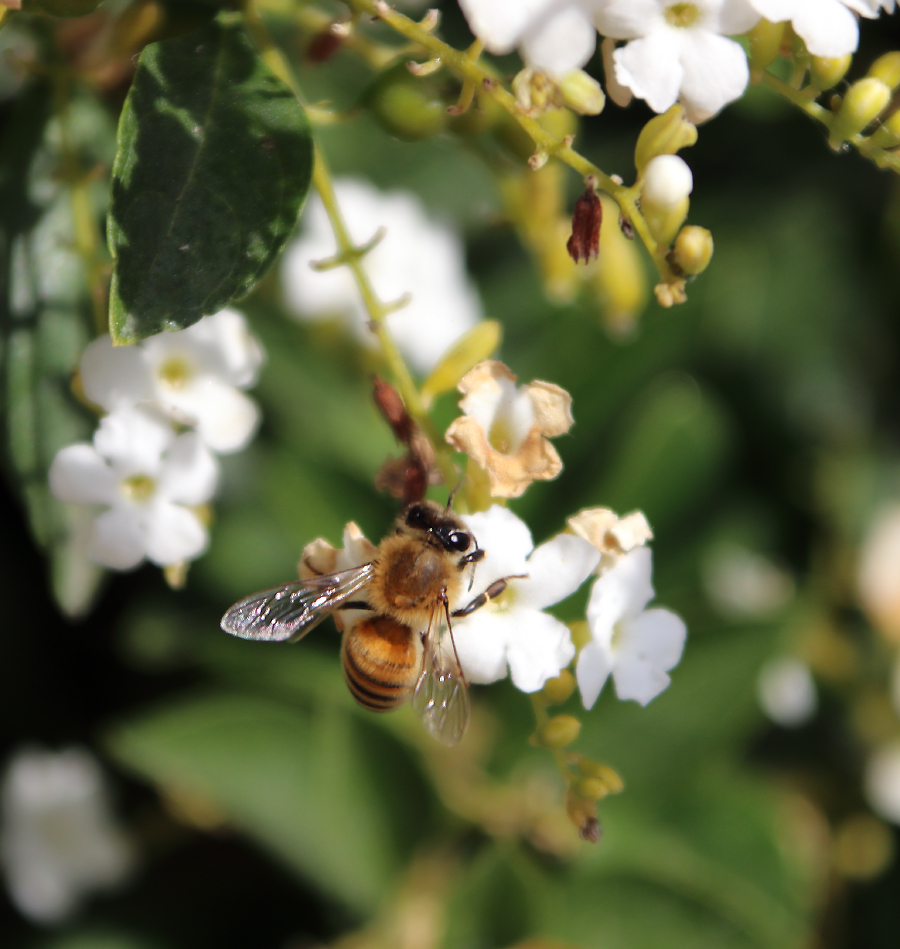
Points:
(403, 649)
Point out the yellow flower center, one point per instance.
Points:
(138, 488)
(682, 14)
(175, 372)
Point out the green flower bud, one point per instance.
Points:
(601, 772)
(558, 690)
(664, 134)
(827, 71)
(864, 100)
(887, 69)
(692, 251)
(472, 348)
(765, 41)
(560, 731)
(591, 788)
(619, 280)
(887, 135)
(582, 93)
(405, 106)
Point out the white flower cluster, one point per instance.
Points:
(172, 401)
(416, 258)
(673, 50)
(59, 839)
(511, 634)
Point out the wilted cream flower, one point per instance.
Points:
(504, 429)
(612, 535)
(320, 558)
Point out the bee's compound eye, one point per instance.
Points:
(459, 540)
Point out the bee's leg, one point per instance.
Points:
(493, 591)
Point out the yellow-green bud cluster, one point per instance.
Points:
(865, 100)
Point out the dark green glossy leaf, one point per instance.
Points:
(45, 312)
(213, 167)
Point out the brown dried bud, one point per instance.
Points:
(590, 830)
(584, 244)
(324, 45)
(388, 400)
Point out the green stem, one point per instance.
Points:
(351, 256)
(469, 69)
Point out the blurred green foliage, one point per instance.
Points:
(763, 412)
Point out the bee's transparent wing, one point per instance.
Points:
(441, 698)
(292, 610)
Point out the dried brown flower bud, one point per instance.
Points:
(324, 45)
(584, 244)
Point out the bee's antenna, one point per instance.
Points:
(459, 484)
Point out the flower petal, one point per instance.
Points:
(629, 19)
(114, 375)
(226, 419)
(651, 69)
(556, 570)
(623, 591)
(190, 472)
(736, 16)
(559, 42)
(173, 533)
(506, 541)
(715, 72)
(117, 540)
(639, 680)
(656, 635)
(538, 647)
(481, 646)
(80, 476)
(500, 23)
(238, 354)
(133, 440)
(827, 27)
(777, 11)
(591, 671)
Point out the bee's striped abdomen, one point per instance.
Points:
(382, 660)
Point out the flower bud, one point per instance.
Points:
(887, 69)
(864, 100)
(591, 788)
(664, 134)
(765, 43)
(887, 135)
(582, 93)
(619, 281)
(601, 772)
(558, 690)
(827, 71)
(667, 182)
(692, 251)
(407, 107)
(560, 731)
(663, 222)
(473, 347)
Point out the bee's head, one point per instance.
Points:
(448, 530)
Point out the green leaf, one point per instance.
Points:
(45, 318)
(62, 7)
(301, 784)
(213, 166)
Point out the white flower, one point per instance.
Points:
(786, 691)
(828, 27)
(511, 631)
(678, 51)
(417, 255)
(193, 376)
(148, 478)
(59, 838)
(882, 781)
(667, 181)
(637, 646)
(554, 36)
(743, 584)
